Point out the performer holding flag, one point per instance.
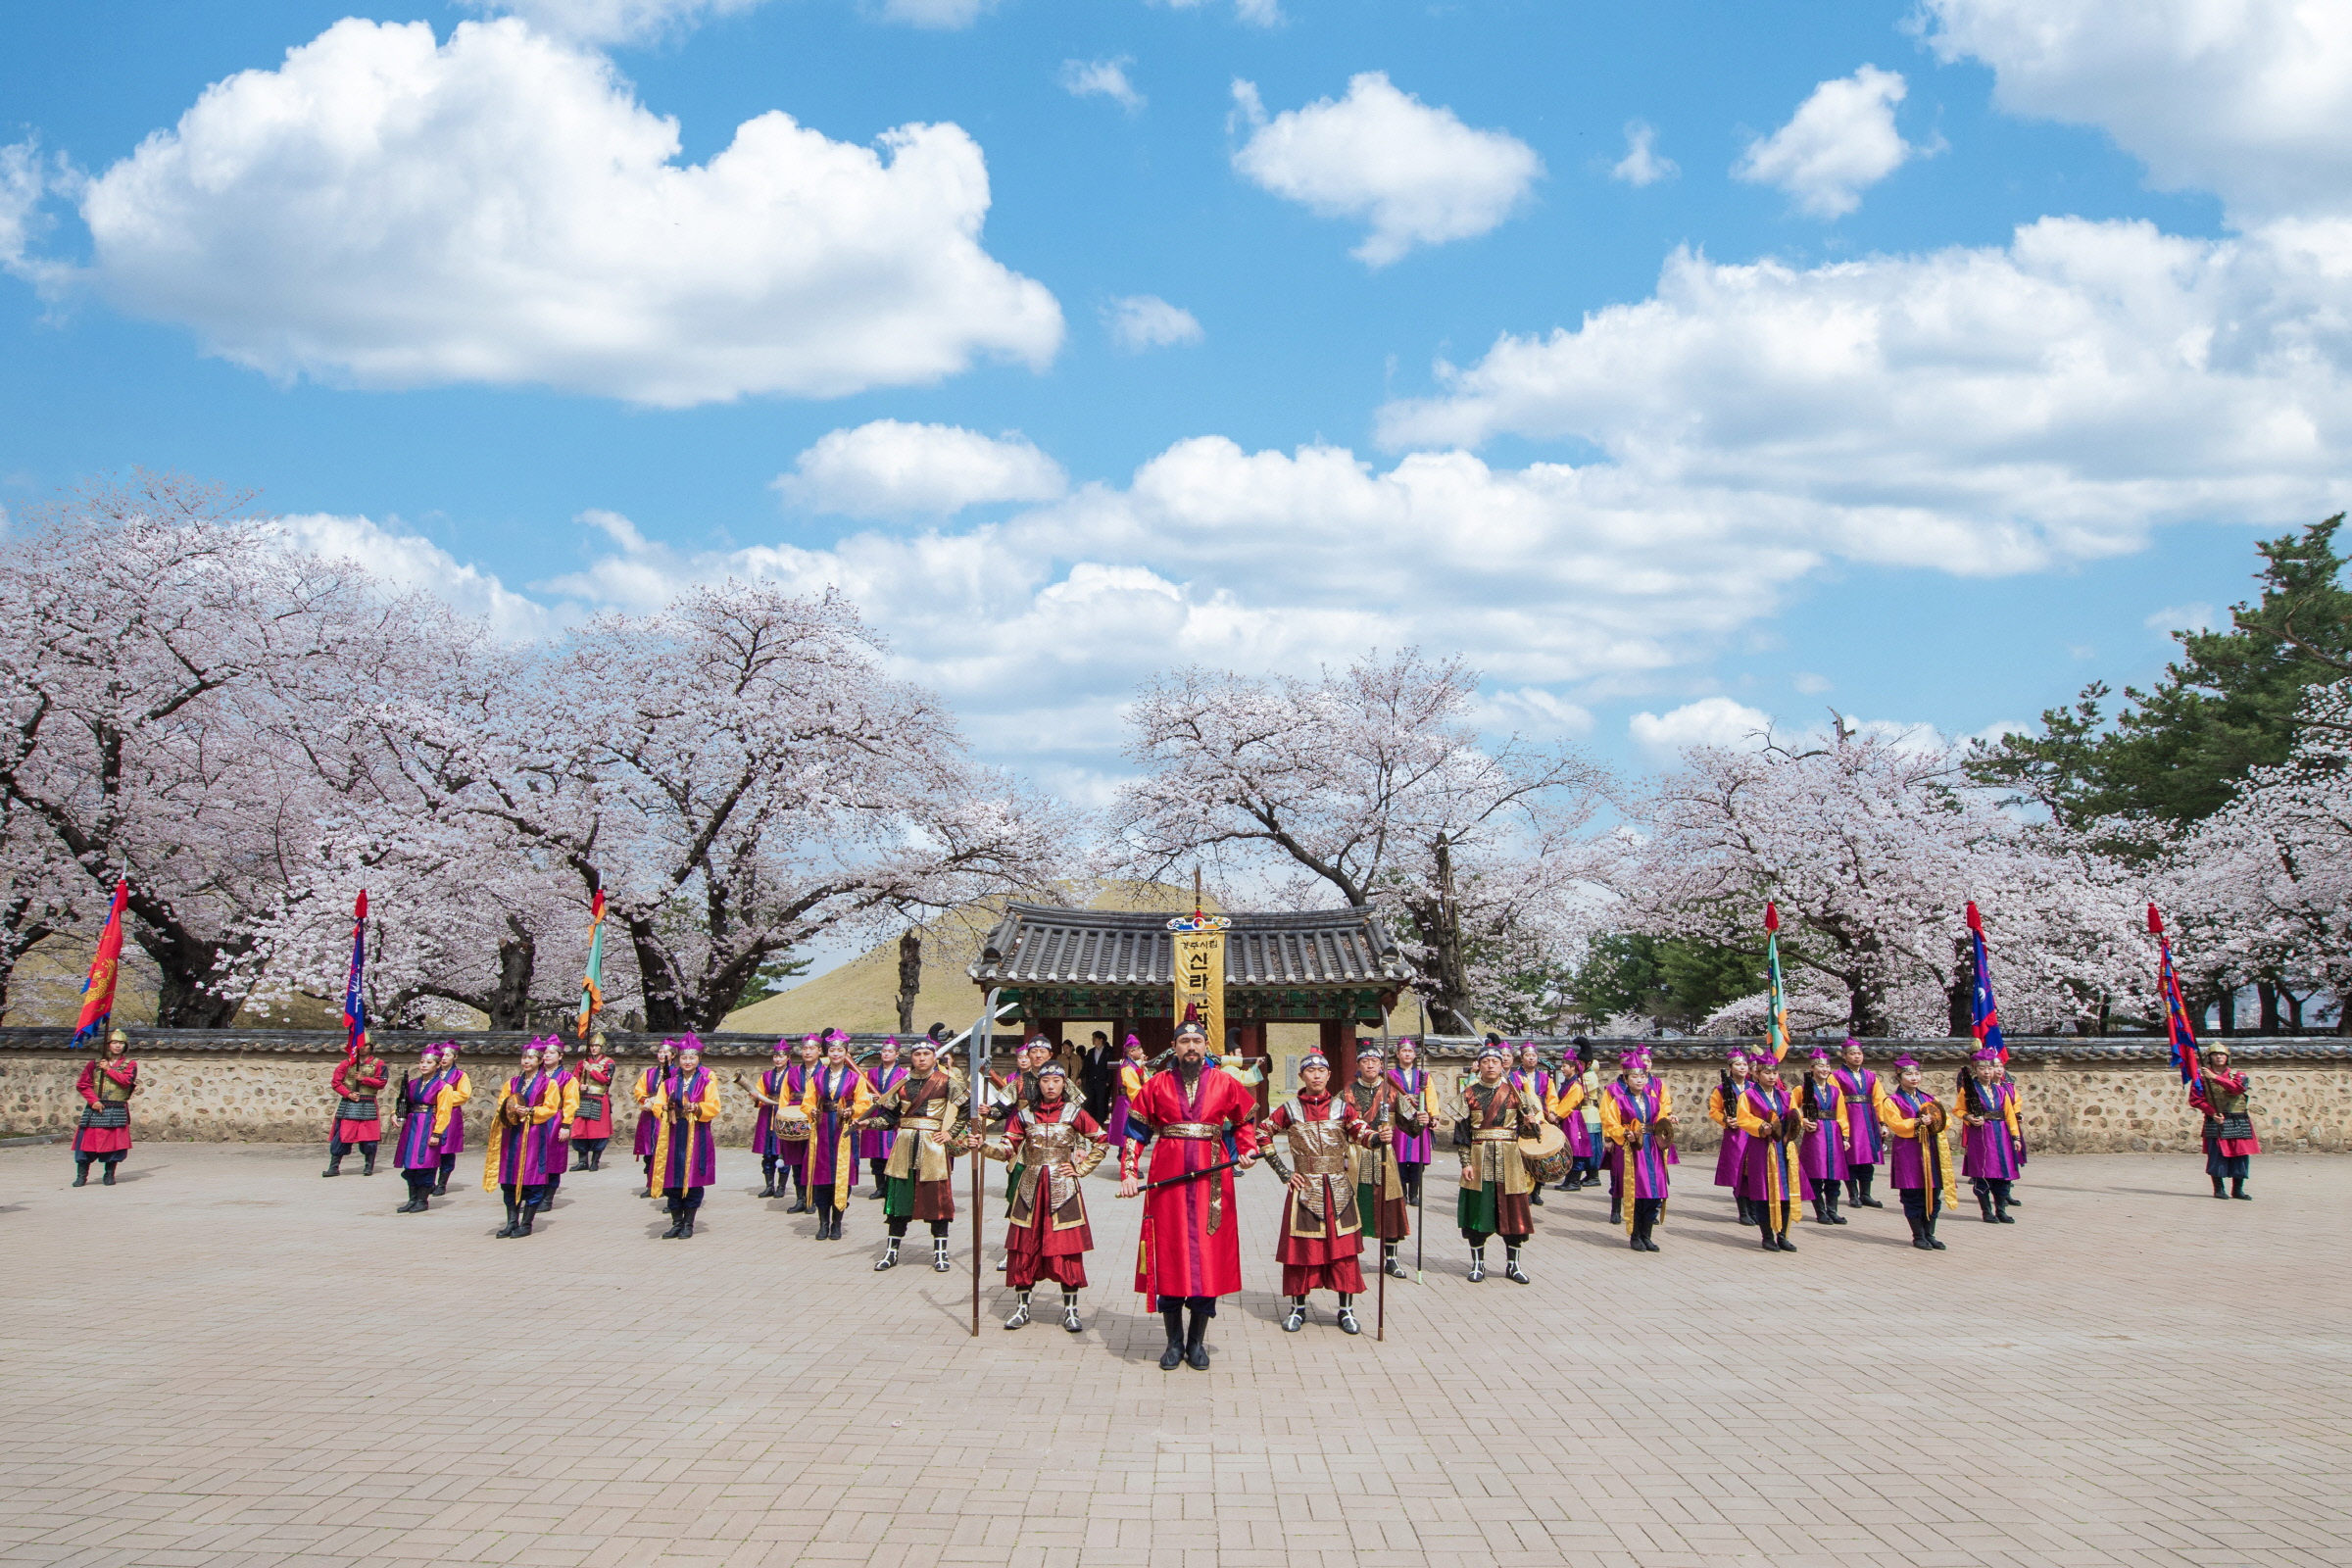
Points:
(110, 1078)
(2225, 1098)
(361, 1076)
(592, 1122)
(1992, 1144)
(1772, 1172)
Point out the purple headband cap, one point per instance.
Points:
(1987, 1054)
(690, 1042)
(1906, 1059)
(1633, 1058)
(1737, 1053)
(1821, 1052)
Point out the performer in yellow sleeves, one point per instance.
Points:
(837, 1099)
(685, 1104)
(1918, 1164)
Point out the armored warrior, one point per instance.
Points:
(918, 1181)
(1821, 1153)
(1322, 1241)
(2226, 1100)
(1918, 1165)
(1494, 1182)
(1866, 1134)
(1991, 1140)
(835, 1101)
(1190, 1252)
(1049, 1236)
(685, 1104)
(1379, 1188)
(357, 1080)
(1772, 1178)
(103, 1135)
(1637, 1118)
(592, 1127)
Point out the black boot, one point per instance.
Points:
(334, 1163)
(1388, 1260)
(1537, 1196)
(1172, 1314)
(1771, 1241)
(1788, 1229)
(692, 1205)
(1195, 1351)
(1510, 1265)
(1984, 1202)
(2237, 1184)
(1869, 1174)
(2000, 1203)
(677, 1218)
(1853, 1191)
(530, 1213)
(1932, 1241)
(1919, 1233)
(877, 1167)
(2217, 1190)
(107, 1179)
(596, 1158)
(767, 1180)
(81, 1175)
(1747, 1211)
(1297, 1315)
(1617, 1210)
(1829, 1190)
(1478, 1263)
(1347, 1322)
(514, 1219)
(800, 1198)
(368, 1159)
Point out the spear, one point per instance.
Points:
(1421, 1187)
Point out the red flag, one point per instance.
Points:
(98, 990)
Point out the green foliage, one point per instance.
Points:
(1675, 980)
(768, 979)
(2172, 754)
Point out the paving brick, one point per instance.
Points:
(225, 1361)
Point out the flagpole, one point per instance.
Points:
(973, 1109)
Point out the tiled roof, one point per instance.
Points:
(1039, 944)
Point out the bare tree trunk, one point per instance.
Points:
(1450, 1001)
(2268, 994)
(911, 977)
(1960, 996)
(2229, 1010)
(517, 961)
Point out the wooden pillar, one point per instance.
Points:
(1337, 1044)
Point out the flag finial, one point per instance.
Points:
(1772, 915)
(2155, 922)
(1975, 921)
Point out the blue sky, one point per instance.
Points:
(1938, 348)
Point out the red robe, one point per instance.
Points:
(1178, 1253)
(359, 1078)
(1329, 1260)
(1048, 1245)
(596, 1079)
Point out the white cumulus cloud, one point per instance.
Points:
(413, 562)
(1840, 141)
(2249, 99)
(1643, 163)
(1417, 175)
(1976, 410)
(1708, 721)
(1257, 12)
(1142, 322)
(385, 211)
(1101, 79)
(889, 468)
(940, 15)
(2194, 617)
(613, 21)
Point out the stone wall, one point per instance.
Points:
(2080, 1096)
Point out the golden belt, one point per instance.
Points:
(927, 1124)
(1193, 1129)
(1495, 1135)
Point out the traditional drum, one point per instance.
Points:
(1545, 1155)
(790, 1125)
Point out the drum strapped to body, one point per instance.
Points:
(1545, 1155)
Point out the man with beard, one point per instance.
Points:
(1190, 1252)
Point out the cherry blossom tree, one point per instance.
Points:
(2261, 892)
(1370, 785)
(170, 672)
(1871, 846)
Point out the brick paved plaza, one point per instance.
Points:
(226, 1360)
